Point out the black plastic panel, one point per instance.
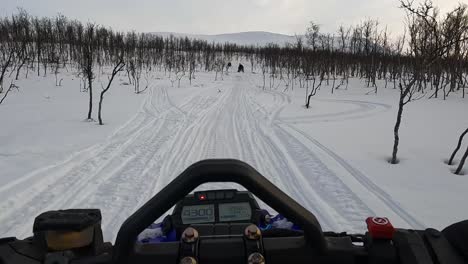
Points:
(69, 220)
(226, 251)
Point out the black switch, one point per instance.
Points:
(211, 195)
(229, 195)
(219, 195)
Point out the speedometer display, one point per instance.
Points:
(198, 214)
(230, 212)
(217, 206)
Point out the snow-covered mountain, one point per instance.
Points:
(260, 38)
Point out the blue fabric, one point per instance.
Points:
(172, 236)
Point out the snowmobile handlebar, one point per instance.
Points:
(216, 171)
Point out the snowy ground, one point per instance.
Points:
(330, 158)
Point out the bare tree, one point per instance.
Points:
(87, 62)
(5, 61)
(119, 65)
(312, 35)
(462, 163)
(12, 85)
(429, 43)
(219, 68)
(7, 51)
(457, 148)
(407, 92)
(315, 88)
(22, 31)
(192, 66)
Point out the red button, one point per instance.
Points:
(380, 228)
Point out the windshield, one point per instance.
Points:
(353, 112)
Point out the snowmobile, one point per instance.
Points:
(226, 226)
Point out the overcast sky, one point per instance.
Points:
(221, 16)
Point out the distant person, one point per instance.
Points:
(241, 68)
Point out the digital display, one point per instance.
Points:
(198, 214)
(230, 212)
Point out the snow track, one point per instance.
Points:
(367, 183)
(162, 139)
(362, 109)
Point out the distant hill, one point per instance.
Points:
(255, 38)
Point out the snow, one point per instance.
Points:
(422, 182)
(43, 123)
(330, 158)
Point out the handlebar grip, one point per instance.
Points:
(226, 170)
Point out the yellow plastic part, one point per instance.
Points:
(65, 240)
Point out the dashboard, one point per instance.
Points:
(215, 207)
(205, 213)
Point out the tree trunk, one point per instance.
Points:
(310, 95)
(6, 94)
(462, 163)
(333, 85)
(264, 81)
(5, 67)
(308, 101)
(460, 141)
(38, 63)
(90, 88)
(100, 108)
(397, 129)
(27, 71)
(19, 69)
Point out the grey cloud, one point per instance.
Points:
(220, 16)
